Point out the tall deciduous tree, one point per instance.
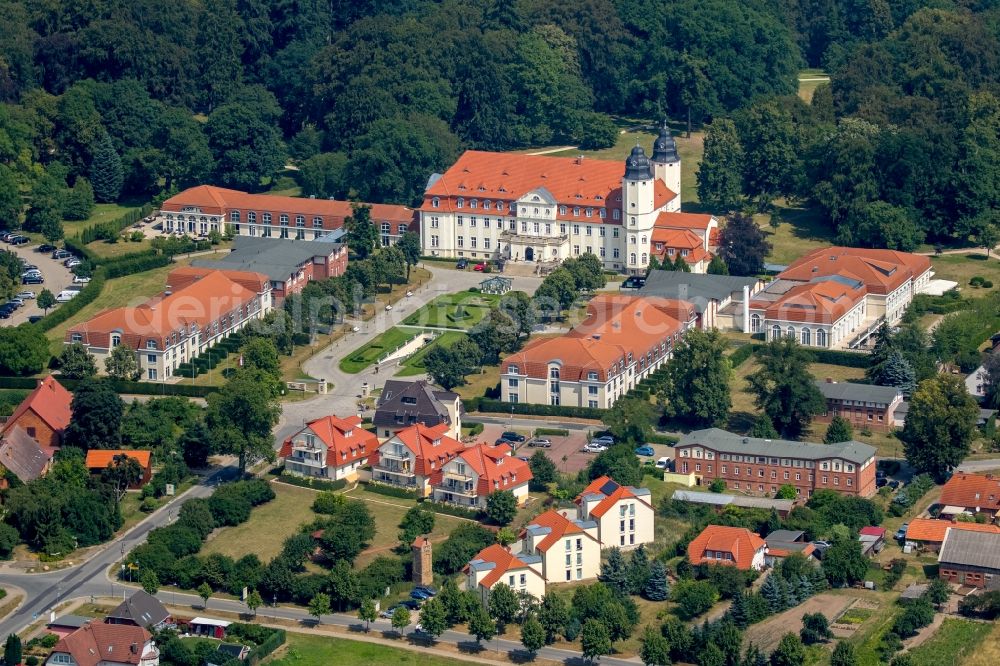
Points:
(481, 625)
(96, 417)
(697, 384)
(655, 650)
(245, 143)
(783, 388)
(630, 419)
(503, 605)
(595, 639)
(532, 634)
(362, 236)
(46, 300)
(409, 243)
(11, 204)
(501, 506)
(122, 363)
(720, 174)
(743, 246)
(122, 472)
(843, 655)
(939, 426)
(789, 652)
(75, 362)
(106, 173)
(319, 606)
(556, 293)
(242, 414)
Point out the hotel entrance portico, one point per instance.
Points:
(523, 247)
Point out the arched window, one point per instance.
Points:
(251, 217)
(116, 339)
(512, 369)
(300, 221)
(460, 202)
(283, 218)
(755, 323)
(821, 338)
(435, 202)
(805, 336)
(644, 259)
(645, 240)
(499, 205)
(790, 332)
(473, 203)
(631, 258)
(775, 332)
(267, 218)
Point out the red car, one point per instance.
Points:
(479, 267)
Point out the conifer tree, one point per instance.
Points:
(614, 573)
(638, 570)
(106, 173)
(657, 588)
(773, 594)
(839, 430)
(738, 611)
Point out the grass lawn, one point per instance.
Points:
(837, 373)
(988, 653)
(963, 267)
(807, 88)
(414, 365)
(476, 385)
(269, 525)
(443, 311)
(953, 643)
(103, 212)
(109, 250)
(305, 650)
(367, 354)
(800, 230)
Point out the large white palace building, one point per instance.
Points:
(536, 208)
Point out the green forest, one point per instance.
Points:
(111, 99)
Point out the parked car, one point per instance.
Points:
(66, 295)
(606, 440)
(417, 593)
(901, 532)
(7, 235)
(32, 279)
(540, 442)
(388, 307)
(28, 267)
(16, 301)
(646, 450)
(524, 458)
(20, 240)
(511, 436)
(33, 272)
(426, 589)
(387, 613)
(462, 264)
(663, 463)
(880, 474)
(70, 263)
(479, 267)
(81, 279)
(881, 482)
(412, 604)
(45, 247)
(61, 254)
(594, 447)
(26, 295)
(894, 485)
(5, 313)
(34, 319)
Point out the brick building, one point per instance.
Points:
(970, 558)
(864, 405)
(761, 466)
(44, 414)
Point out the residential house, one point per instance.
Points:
(721, 301)
(863, 405)
(929, 533)
(99, 459)
(414, 457)
(970, 558)
(330, 447)
(688, 236)
(200, 308)
(206, 208)
(22, 456)
(782, 543)
(497, 564)
(760, 466)
(475, 472)
(971, 494)
(624, 515)
(622, 340)
(141, 610)
(733, 546)
(289, 265)
(403, 404)
(43, 414)
(96, 644)
(569, 548)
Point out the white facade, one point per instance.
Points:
(461, 484)
(628, 523)
(812, 334)
(527, 579)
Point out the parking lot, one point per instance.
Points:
(565, 451)
(57, 278)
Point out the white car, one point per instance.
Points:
(594, 447)
(388, 307)
(26, 295)
(663, 463)
(409, 293)
(66, 295)
(70, 263)
(80, 279)
(356, 329)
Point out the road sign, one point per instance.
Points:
(169, 490)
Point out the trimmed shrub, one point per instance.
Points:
(391, 491)
(452, 510)
(496, 406)
(740, 356)
(316, 484)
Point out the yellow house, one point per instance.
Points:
(495, 564)
(569, 549)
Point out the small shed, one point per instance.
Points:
(872, 540)
(496, 285)
(65, 625)
(208, 626)
(913, 592)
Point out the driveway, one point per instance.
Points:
(567, 447)
(57, 278)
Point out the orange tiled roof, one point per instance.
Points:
(559, 526)
(101, 458)
(341, 448)
(823, 302)
(95, 643)
(933, 531)
(495, 467)
(612, 494)
(429, 457)
(682, 239)
(615, 325)
(740, 542)
(971, 491)
(50, 401)
(183, 277)
(569, 181)
(679, 220)
(882, 271)
(219, 201)
(503, 559)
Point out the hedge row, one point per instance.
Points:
(838, 357)
(452, 510)
(66, 310)
(668, 440)
(137, 263)
(391, 491)
(740, 356)
(259, 653)
(120, 386)
(475, 428)
(481, 404)
(558, 432)
(112, 228)
(315, 484)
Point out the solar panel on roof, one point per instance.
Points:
(609, 487)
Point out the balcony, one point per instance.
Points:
(389, 454)
(464, 489)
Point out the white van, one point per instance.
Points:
(663, 463)
(66, 295)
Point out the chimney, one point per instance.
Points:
(829, 380)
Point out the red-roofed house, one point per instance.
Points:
(623, 339)
(972, 494)
(206, 208)
(199, 309)
(930, 532)
(496, 564)
(569, 548)
(329, 448)
(96, 644)
(414, 457)
(479, 470)
(44, 414)
(823, 313)
(99, 459)
(735, 546)
(689, 236)
(624, 515)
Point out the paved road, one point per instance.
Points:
(979, 465)
(57, 278)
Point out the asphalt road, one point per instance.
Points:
(57, 278)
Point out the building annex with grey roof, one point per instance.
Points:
(970, 558)
(863, 405)
(722, 301)
(402, 404)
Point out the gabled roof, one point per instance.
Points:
(95, 643)
(696, 288)
(142, 609)
(824, 301)
(496, 468)
(101, 458)
(679, 220)
(728, 442)
(872, 530)
(971, 491)
(431, 447)
(554, 526)
(50, 401)
(22, 455)
(405, 403)
(930, 530)
(882, 271)
(278, 258)
(678, 238)
(344, 439)
(608, 492)
(498, 561)
(739, 541)
(972, 549)
(881, 395)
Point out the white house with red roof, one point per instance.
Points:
(730, 546)
(414, 458)
(329, 448)
(624, 515)
(568, 547)
(541, 208)
(477, 471)
(96, 644)
(692, 237)
(496, 564)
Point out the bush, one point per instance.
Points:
(740, 356)
(496, 406)
(452, 510)
(668, 440)
(475, 428)
(837, 357)
(317, 484)
(558, 432)
(391, 491)
(148, 505)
